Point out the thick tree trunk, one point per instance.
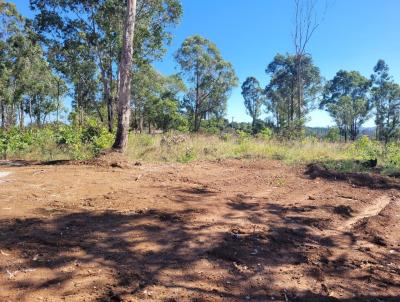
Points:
(125, 66)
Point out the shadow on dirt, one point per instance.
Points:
(372, 181)
(158, 248)
(26, 163)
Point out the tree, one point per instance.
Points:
(156, 99)
(253, 98)
(306, 23)
(281, 92)
(11, 27)
(386, 98)
(125, 68)
(211, 77)
(346, 99)
(27, 83)
(89, 33)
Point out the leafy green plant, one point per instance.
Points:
(188, 156)
(266, 134)
(365, 149)
(333, 135)
(393, 154)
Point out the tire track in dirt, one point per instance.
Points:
(370, 211)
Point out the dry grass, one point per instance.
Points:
(185, 148)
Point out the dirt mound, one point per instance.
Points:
(111, 158)
(372, 181)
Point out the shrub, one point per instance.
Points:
(266, 134)
(365, 149)
(393, 154)
(333, 135)
(55, 141)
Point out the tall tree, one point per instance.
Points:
(125, 75)
(305, 24)
(282, 94)
(11, 28)
(156, 99)
(27, 83)
(253, 96)
(386, 98)
(90, 33)
(211, 77)
(346, 99)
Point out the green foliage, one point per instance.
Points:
(386, 98)
(287, 105)
(253, 98)
(242, 136)
(366, 149)
(211, 79)
(55, 141)
(333, 135)
(188, 156)
(266, 134)
(213, 126)
(346, 100)
(392, 153)
(84, 42)
(14, 141)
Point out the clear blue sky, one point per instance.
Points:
(353, 36)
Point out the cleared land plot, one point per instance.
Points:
(232, 230)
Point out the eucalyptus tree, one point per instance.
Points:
(386, 98)
(11, 26)
(253, 96)
(346, 99)
(281, 93)
(155, 98)
(27, 83)
(306, 22)
(91, 32)
(210, 76)
(125, 76)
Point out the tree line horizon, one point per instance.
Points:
(75, 48)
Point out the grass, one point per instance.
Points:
(191, 147)
(44, 144)
(186, 148)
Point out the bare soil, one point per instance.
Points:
(235, 230)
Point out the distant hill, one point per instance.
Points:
(323, 131)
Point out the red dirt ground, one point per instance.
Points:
(212, 231)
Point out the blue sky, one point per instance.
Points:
(353, 35)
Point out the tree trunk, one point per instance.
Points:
(125, 75)
(110, 113)
(3, 116)
(21, 115)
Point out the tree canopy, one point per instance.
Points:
(211, 78)
(346, 99)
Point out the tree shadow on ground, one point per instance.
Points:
(159, 248)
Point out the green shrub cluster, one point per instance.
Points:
(57, 141)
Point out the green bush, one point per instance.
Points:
(333, 135)
(393, 154)
(266, 134)
(365, 149)
(14, 141)
(58, 141)
(188, 156)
